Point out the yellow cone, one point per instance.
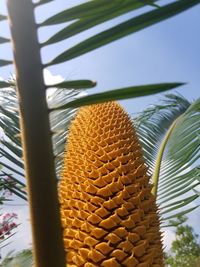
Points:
(109, 215)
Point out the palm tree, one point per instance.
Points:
(33, 107)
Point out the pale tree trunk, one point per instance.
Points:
(36, 137)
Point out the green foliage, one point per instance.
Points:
(11, 151)
(21, 259)
(5, 62)
(121, 30)
(169, 134)
(185, 251)
(2, 17)
(119, 94)
(89, 14)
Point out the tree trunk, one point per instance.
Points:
(36, 138)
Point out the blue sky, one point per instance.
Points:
(165, 52)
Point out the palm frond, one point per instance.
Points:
(88, 14)
(94, 9)
(4, 40)
(4, 62)
(60, 120)
(119, 94)
(121, 30)
(11, 148)
(4, 84)
(2, 17)
(12, 170)
(41, 2)
(21, 259)
(169, 135)
(78, 84)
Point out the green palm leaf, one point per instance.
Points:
(11, 148)
(41, 2)
(4, 84)
(121, 30)
(93, 9)
(169, 134)
(2, 17)
(60, 120)
(4, 40)
(119, 94)
(89, 14)
(78, 84)
(4, 62)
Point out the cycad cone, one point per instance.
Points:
(108, 213)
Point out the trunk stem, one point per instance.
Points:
(36, 139)
(159, 158)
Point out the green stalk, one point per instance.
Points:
(156, 173)
(36, 138)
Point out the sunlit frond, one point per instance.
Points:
(169, 134)
(11, 158)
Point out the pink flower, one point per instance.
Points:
(7, 224)
(9, 216)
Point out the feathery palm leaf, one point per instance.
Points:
(169, 135)
(61, 119)
(89, 17)
(93, 13)
(11, 148)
